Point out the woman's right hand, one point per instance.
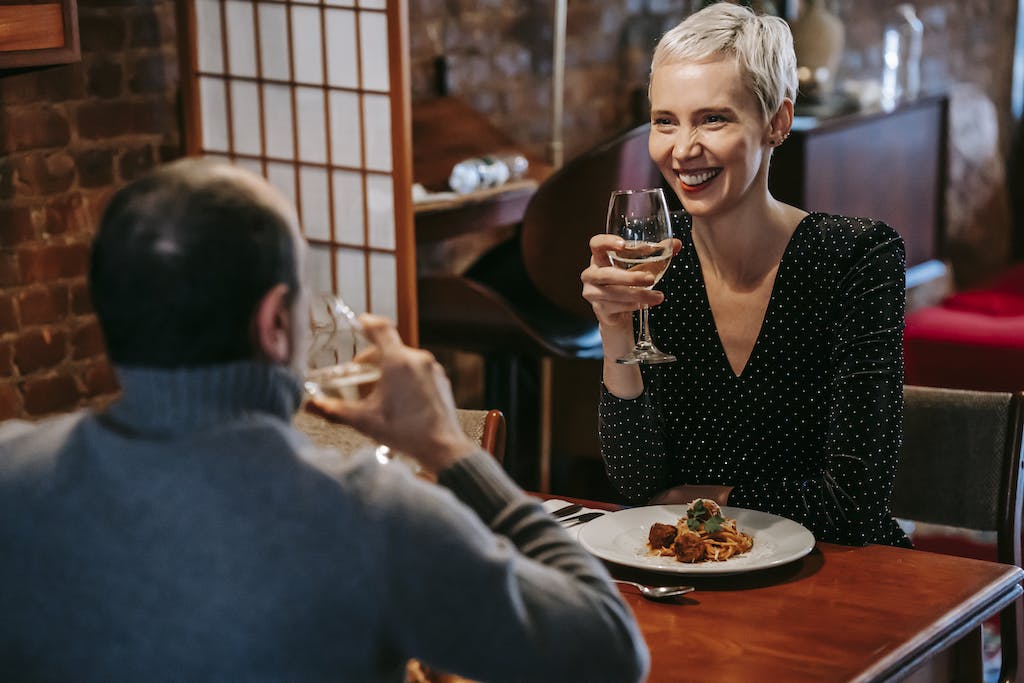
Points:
(614, 293)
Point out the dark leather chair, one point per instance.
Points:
(961, 467)
(519, 305)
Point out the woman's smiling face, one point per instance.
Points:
(708, 134)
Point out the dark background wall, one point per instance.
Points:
(69, 136)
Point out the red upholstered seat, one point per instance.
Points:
(972, 340)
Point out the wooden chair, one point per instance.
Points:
(961, 467)
(486, 427)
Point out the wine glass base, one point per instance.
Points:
(645, 357)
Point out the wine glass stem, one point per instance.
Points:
(644, 339)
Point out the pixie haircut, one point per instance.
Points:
(762, 45)
(180, 262)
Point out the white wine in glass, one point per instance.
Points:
(640, 217)
(333, 368)
(336, 339)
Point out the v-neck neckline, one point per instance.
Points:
(768, 309)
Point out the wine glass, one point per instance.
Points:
(640, 217)
(334, 369)
(337, 366)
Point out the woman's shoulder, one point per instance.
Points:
(852, 235)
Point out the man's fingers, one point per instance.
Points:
(380, 331)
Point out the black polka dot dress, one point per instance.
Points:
(811, 429)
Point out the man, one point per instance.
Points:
(189, 533)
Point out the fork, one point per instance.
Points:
(580, 519)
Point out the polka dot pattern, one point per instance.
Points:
(811, 428)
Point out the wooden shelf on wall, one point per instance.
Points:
(38, 33)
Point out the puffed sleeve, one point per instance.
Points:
(849, 501)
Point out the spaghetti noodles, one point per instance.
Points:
(703, 535)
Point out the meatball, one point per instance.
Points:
(661, 535)
(688, 546)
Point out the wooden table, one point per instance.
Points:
(840, 614)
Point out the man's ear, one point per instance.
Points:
(273, 325)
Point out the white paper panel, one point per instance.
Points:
(245, 115)
(345, 141)
(377, 119)
(352, 278)
(282, 176)
(241, 38)
(381, 200)
(373, 41)
(383, 288)
(340, 3)
(217, 157)
(315, 209)
(306, 44)
(348, 207)
(214, 112)
(277, 106)
(250, 165)
(373, 4)
(312, 132)
(341, 49)
(208, 36)
(318, 269)
(274, 41)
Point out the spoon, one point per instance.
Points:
(657, 592)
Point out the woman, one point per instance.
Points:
(787, 392)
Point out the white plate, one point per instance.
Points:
(621, 537)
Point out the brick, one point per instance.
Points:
(8, 318)
(10, 402)
(99, 33)
(168, 152)
(44, 174)
(99, 379)
(95, 167)
(40, 349)
(135, 162)
(6, 360)
(49, 394)
(105, 79)
(15, 225)
(81, 301)
(42, 305)
(144, 30)
(38, 127)
(47, 263)
(87, 341)
(103, 119)
(149, 74)
(6, 176)
(10, 272)
(67, 213)
(153, 115)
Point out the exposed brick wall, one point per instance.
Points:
(69, 136)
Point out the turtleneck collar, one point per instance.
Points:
(183, 399)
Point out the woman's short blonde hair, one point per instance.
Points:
(762, 45)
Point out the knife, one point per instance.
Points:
(567, 510)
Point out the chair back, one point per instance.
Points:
(961, 466)
(571, 206)
(485, 427)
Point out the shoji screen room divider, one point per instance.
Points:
(314, 96)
